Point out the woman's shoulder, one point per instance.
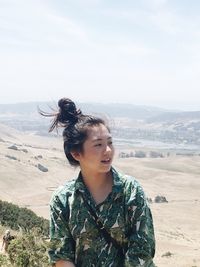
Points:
(131, 185)
(63, 192)
(133, 192)
(128, 180)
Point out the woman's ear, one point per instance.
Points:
(76, 155)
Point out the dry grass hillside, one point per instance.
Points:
(25, 181)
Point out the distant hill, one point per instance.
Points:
(112, 109)
(175, 116)
(19, 108)
(118, 110)
(25, 116)
(127, 121)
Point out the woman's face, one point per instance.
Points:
(98, 150)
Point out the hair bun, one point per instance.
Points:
(68, 112)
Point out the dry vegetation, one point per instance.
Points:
(176, 177)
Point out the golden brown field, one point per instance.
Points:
(177, 178)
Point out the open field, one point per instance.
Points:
(177, 178)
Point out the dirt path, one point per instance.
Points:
(1, 251)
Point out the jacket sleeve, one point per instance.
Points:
(62, 244)
(141, 240)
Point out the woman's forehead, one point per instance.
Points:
(98, 132)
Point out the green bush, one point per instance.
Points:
(4, 262)
(28, 250)
(29, 247)
(14, 217)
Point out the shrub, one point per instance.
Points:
(140, 154)
(160, 199)
(13, 216)
(4, 262)
(28, 250)
(167, 254)
(155, 154)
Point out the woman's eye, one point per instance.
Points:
(98, 145)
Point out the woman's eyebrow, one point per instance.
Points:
(100, 139)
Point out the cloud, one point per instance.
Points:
(33, 23)
(68, 26)
(135, 49)
(167, 22)
(111, 48)
(154, 3)
(156, 16)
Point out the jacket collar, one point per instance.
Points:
(117, 187)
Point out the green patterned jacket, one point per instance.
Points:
(125, 214)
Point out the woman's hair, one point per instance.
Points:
(75, 125)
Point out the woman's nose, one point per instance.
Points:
(107, 149)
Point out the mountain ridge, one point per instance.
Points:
(127, 120)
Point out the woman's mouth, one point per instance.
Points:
(106, 161)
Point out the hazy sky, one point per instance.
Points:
(141, 52)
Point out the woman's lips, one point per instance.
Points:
(106, 161)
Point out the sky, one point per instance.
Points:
(144, 52)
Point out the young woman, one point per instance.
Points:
(101, 218)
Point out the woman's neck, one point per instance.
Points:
(99, 185)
